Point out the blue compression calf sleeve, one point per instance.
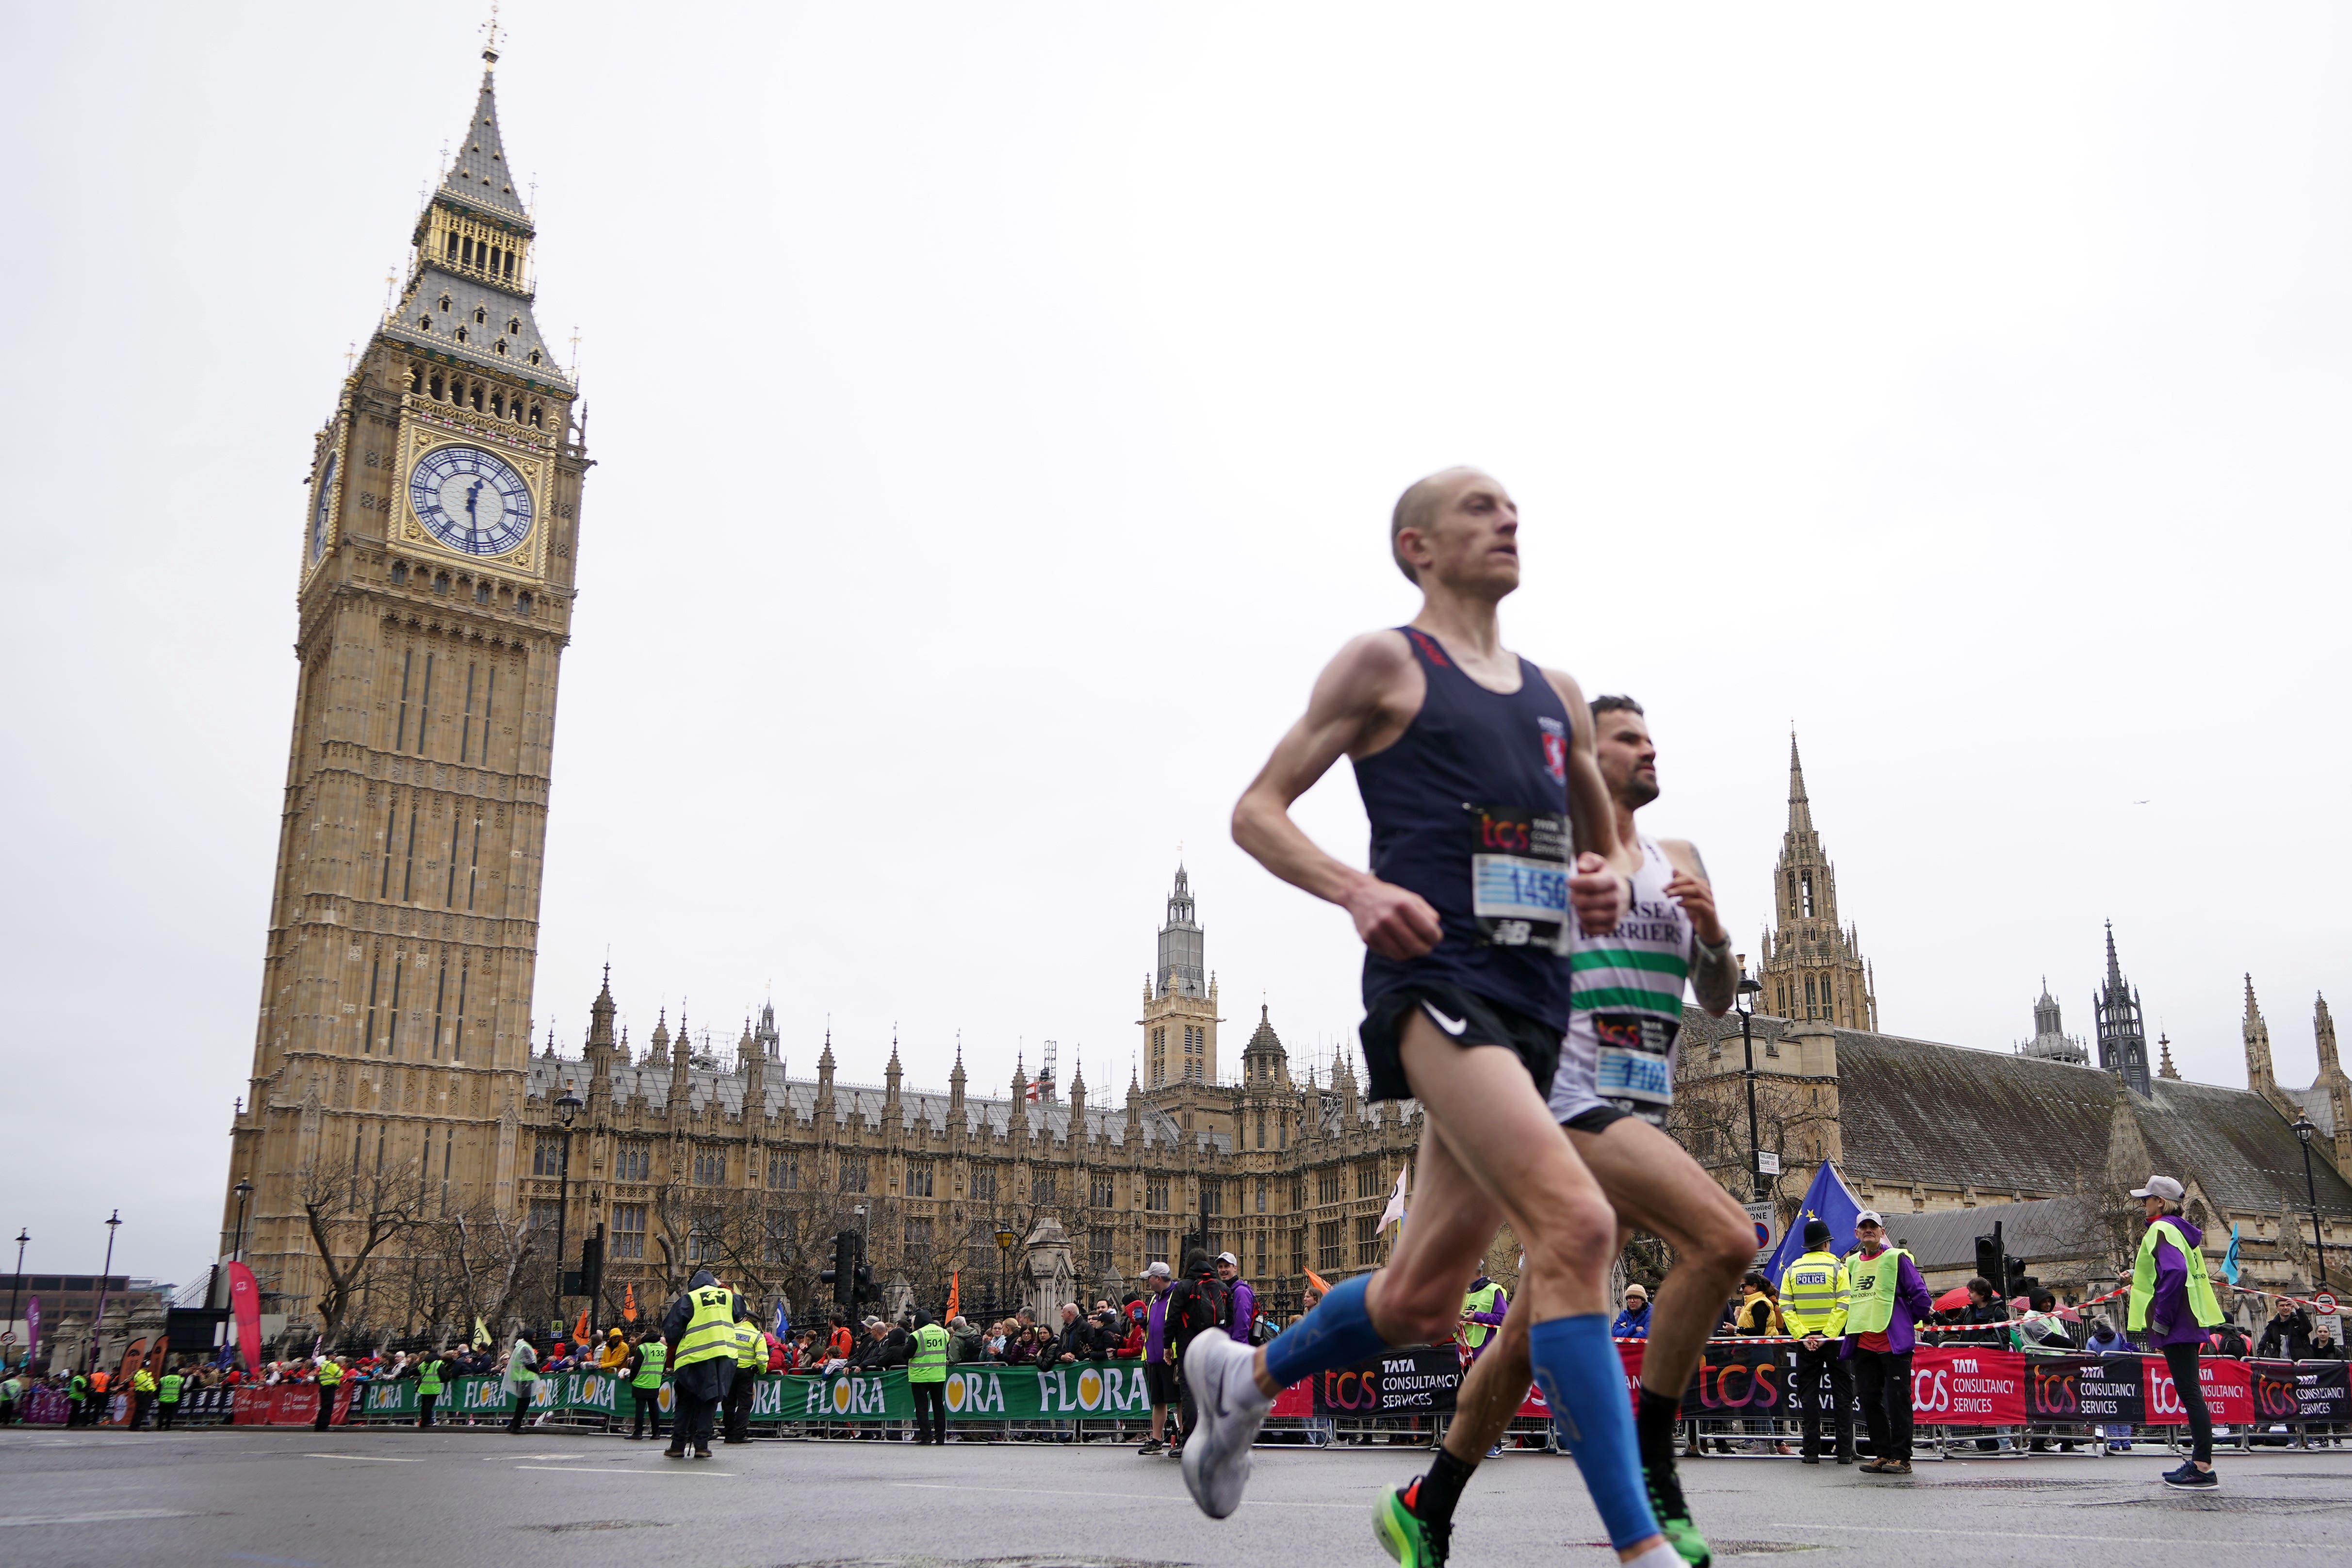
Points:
(1339, 1333)
(1583, 1382)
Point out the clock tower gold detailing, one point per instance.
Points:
(435, 597)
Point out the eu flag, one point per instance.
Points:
(1829, 1199)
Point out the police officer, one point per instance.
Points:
(428, 1387)
(1813, 1293)
(927, 1380)
(331, 1377)
(78, 1394)
(167, 1397)
(700, 1329)
(142, 1396)
(645, 1369)
(751, 1359)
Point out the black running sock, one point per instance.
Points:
(1654, 1431)
(1434, 1495)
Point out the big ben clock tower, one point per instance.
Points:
(436, 554)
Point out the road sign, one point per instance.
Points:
(1767, 1164)
(2325, 1303)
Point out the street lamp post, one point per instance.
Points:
(244, 1190)
(23, 1236)
(2302, 1132)
(1748, 987)
(1004, 1240)
(98, 1328)
(567, 1106)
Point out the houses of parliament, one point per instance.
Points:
(396, 1084)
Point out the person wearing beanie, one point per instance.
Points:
(1813, 1296)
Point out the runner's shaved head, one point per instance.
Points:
(1419, 505)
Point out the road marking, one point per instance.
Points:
(364, 1458)
(1136, 1496)
(2048, 1535)
(592, 1470)
(281, 1562)
(106, 1516)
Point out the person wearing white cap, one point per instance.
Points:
(1159, 1375)
(1241, 1302)
(2172, 1302)
(1885, 1297)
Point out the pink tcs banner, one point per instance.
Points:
(2229, 1391)
(245, 1299)
(289, 1405)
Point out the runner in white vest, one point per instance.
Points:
(1611, 1092)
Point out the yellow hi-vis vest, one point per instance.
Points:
(2202, 1303)
(1474, 1334)
(711, 1332)
(651, 1353)
(329, 1375)
(170, 1384)
(1813, 1295)
(750, 1349)
(929, 1362)
(1870, 1301)
(143, 1381)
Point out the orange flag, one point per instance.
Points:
(1316, 1280)
(579, 1331)
(628, 1303)
(955, 1288)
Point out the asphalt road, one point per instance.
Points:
(354, 1497)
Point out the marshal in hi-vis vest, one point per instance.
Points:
(929, 1362)
(2208, 1310)
(711, 1332)
(1813, 1295)
(1870, 1301)
(751, 1350)
(1474, 1334)
(651, 1354)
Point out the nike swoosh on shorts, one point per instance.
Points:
(1451, 1025)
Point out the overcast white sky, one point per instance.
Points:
(997, 410)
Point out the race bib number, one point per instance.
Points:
(1635, 1068)
(1519, 879)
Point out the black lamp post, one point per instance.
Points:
(1746, 1003)
(23, 1236)
(567, 1106)
(113, 1221)
(1004, 1240)
(244, 1190)
(2302, 1132)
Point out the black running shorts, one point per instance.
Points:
(1464, 1017)
(1596, 1120)
(1160, 1381)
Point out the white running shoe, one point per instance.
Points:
(1231, 1408)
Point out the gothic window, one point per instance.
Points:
(1368, 1180)
(514, 326)
(436, 386)
(1155, 1247)
(399, 572)
(629, 1231)
(537, 420)
(1328, 1246)
(481, 317)
(1261, 1128)
(776, 1243)
(1102, 1255)
(477, 397)
(547, 1155)
(445, 303)
(466, 249)
(522, 604)
(635, 1163)
(920, 1180)
(1809, 1004)
(452, 254)
(1367, 1241)
(481, 592)
(461, 334)
(1327, 1184)
(1806, 904)
(1101, 1193)
(425, 323)
(509, 267)
(534, 356)
(783, 1170)
(983, 1183)
(709, 1166)
(918, 1232)
(1212, 1196)
(499, 347)
(495, 257)
(1261, 1201)
(1298, 1194)
(1041, 1186)
(542, 1214)
(415, 378)
(853, 1172)
(441, 584)
(702, 1239)
(1155, 1193)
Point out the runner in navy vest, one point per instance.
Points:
(1473, 764)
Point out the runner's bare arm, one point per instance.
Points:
(1602, 889)
(1713, 980)
(1361, 702)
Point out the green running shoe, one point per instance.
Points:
(1405, 1534)
(1674, 1516)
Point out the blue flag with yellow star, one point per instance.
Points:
(1829, 1199)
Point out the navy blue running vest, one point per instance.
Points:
(1469, 809)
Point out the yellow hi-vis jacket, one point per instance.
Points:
(711, 1332)
(1814, 1292)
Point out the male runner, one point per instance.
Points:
(1615, 1082)
(1471, 762)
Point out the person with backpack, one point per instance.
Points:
(1195, 1307)
(1241, 1302)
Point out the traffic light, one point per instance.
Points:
(1988, 1260)
(2013, 1280)
(842, 1275)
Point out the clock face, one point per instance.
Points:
(320, 507)
(470, 499)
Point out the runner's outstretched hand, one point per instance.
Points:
(1697, 900)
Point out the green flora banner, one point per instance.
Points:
(1086, 1390)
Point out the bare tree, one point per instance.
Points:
(353, 1217)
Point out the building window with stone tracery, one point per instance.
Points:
(709, 1166)
(918, 1179)
(634, 1164)
(628, 1232)
(547, 1156)
(853, 1172)
(984, 1183)
(1102, 1192)
(1155, 1193)
(783, 1170)
(1041, 1186)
